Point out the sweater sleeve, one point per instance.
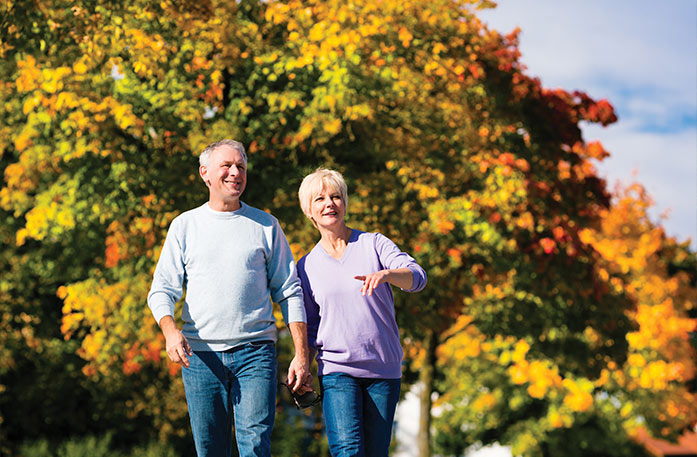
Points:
(169, 277)
(391, 257)
(311, 307)
(283, 278)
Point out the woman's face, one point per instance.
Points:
(327, 208)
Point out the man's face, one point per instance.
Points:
(225, 175)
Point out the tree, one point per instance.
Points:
(447, 147)
(577, 415)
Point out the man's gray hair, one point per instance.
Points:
(206, 154)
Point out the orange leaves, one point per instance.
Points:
(445, 226)
(455, 255)
(130, 241)
(595, 150)
(140, 353)
(405, 37)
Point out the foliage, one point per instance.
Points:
(448, 147)
(92, 446)
(509, 395)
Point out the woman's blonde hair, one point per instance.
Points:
(314, 183)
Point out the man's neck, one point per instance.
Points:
(224, 206)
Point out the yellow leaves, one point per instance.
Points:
(540, 375)
(658, 374)
(332, 126)
(29, 104)
(25, 138)
(578, 397)
(69, 322)
(438, 48)
(559, 417)
(484, 402)
(426, 192)
(316, 32)
(113, 313)
(636, 360)
(521, 349)
(53, 78)
(469, 350)
(123, 115)
(29, 74)
(465, 342)
(79, 67)
(277, 13)
(519, 372)
(92, 344)
(21, 236)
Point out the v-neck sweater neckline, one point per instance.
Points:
(346, 250)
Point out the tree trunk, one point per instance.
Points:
(426, 377)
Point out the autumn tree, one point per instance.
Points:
(447, 145)
(581, 415)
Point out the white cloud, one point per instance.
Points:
(640, 56)
(665, 164)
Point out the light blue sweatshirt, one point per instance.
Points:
(231, 264)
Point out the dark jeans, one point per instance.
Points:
(358, 414)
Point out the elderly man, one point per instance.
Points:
(231, 259)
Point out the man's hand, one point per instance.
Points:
(299, 376)
(175, 342)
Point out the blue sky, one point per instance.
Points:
(640, 55)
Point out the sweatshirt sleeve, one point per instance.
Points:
(168, 279)
(391, 257)
(283, 278)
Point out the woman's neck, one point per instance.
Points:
(335, 240)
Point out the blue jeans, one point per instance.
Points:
(358, 414)
(239, 383)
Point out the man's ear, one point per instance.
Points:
(203, 173)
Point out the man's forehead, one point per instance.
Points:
(227, 153)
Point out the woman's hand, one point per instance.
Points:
(372, 280)
(401, 277)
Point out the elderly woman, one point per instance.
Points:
(351, 319)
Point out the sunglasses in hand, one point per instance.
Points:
(305, 400)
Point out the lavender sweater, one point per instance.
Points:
(355, 334)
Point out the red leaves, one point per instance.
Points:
(548, 245)
(600, 111)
